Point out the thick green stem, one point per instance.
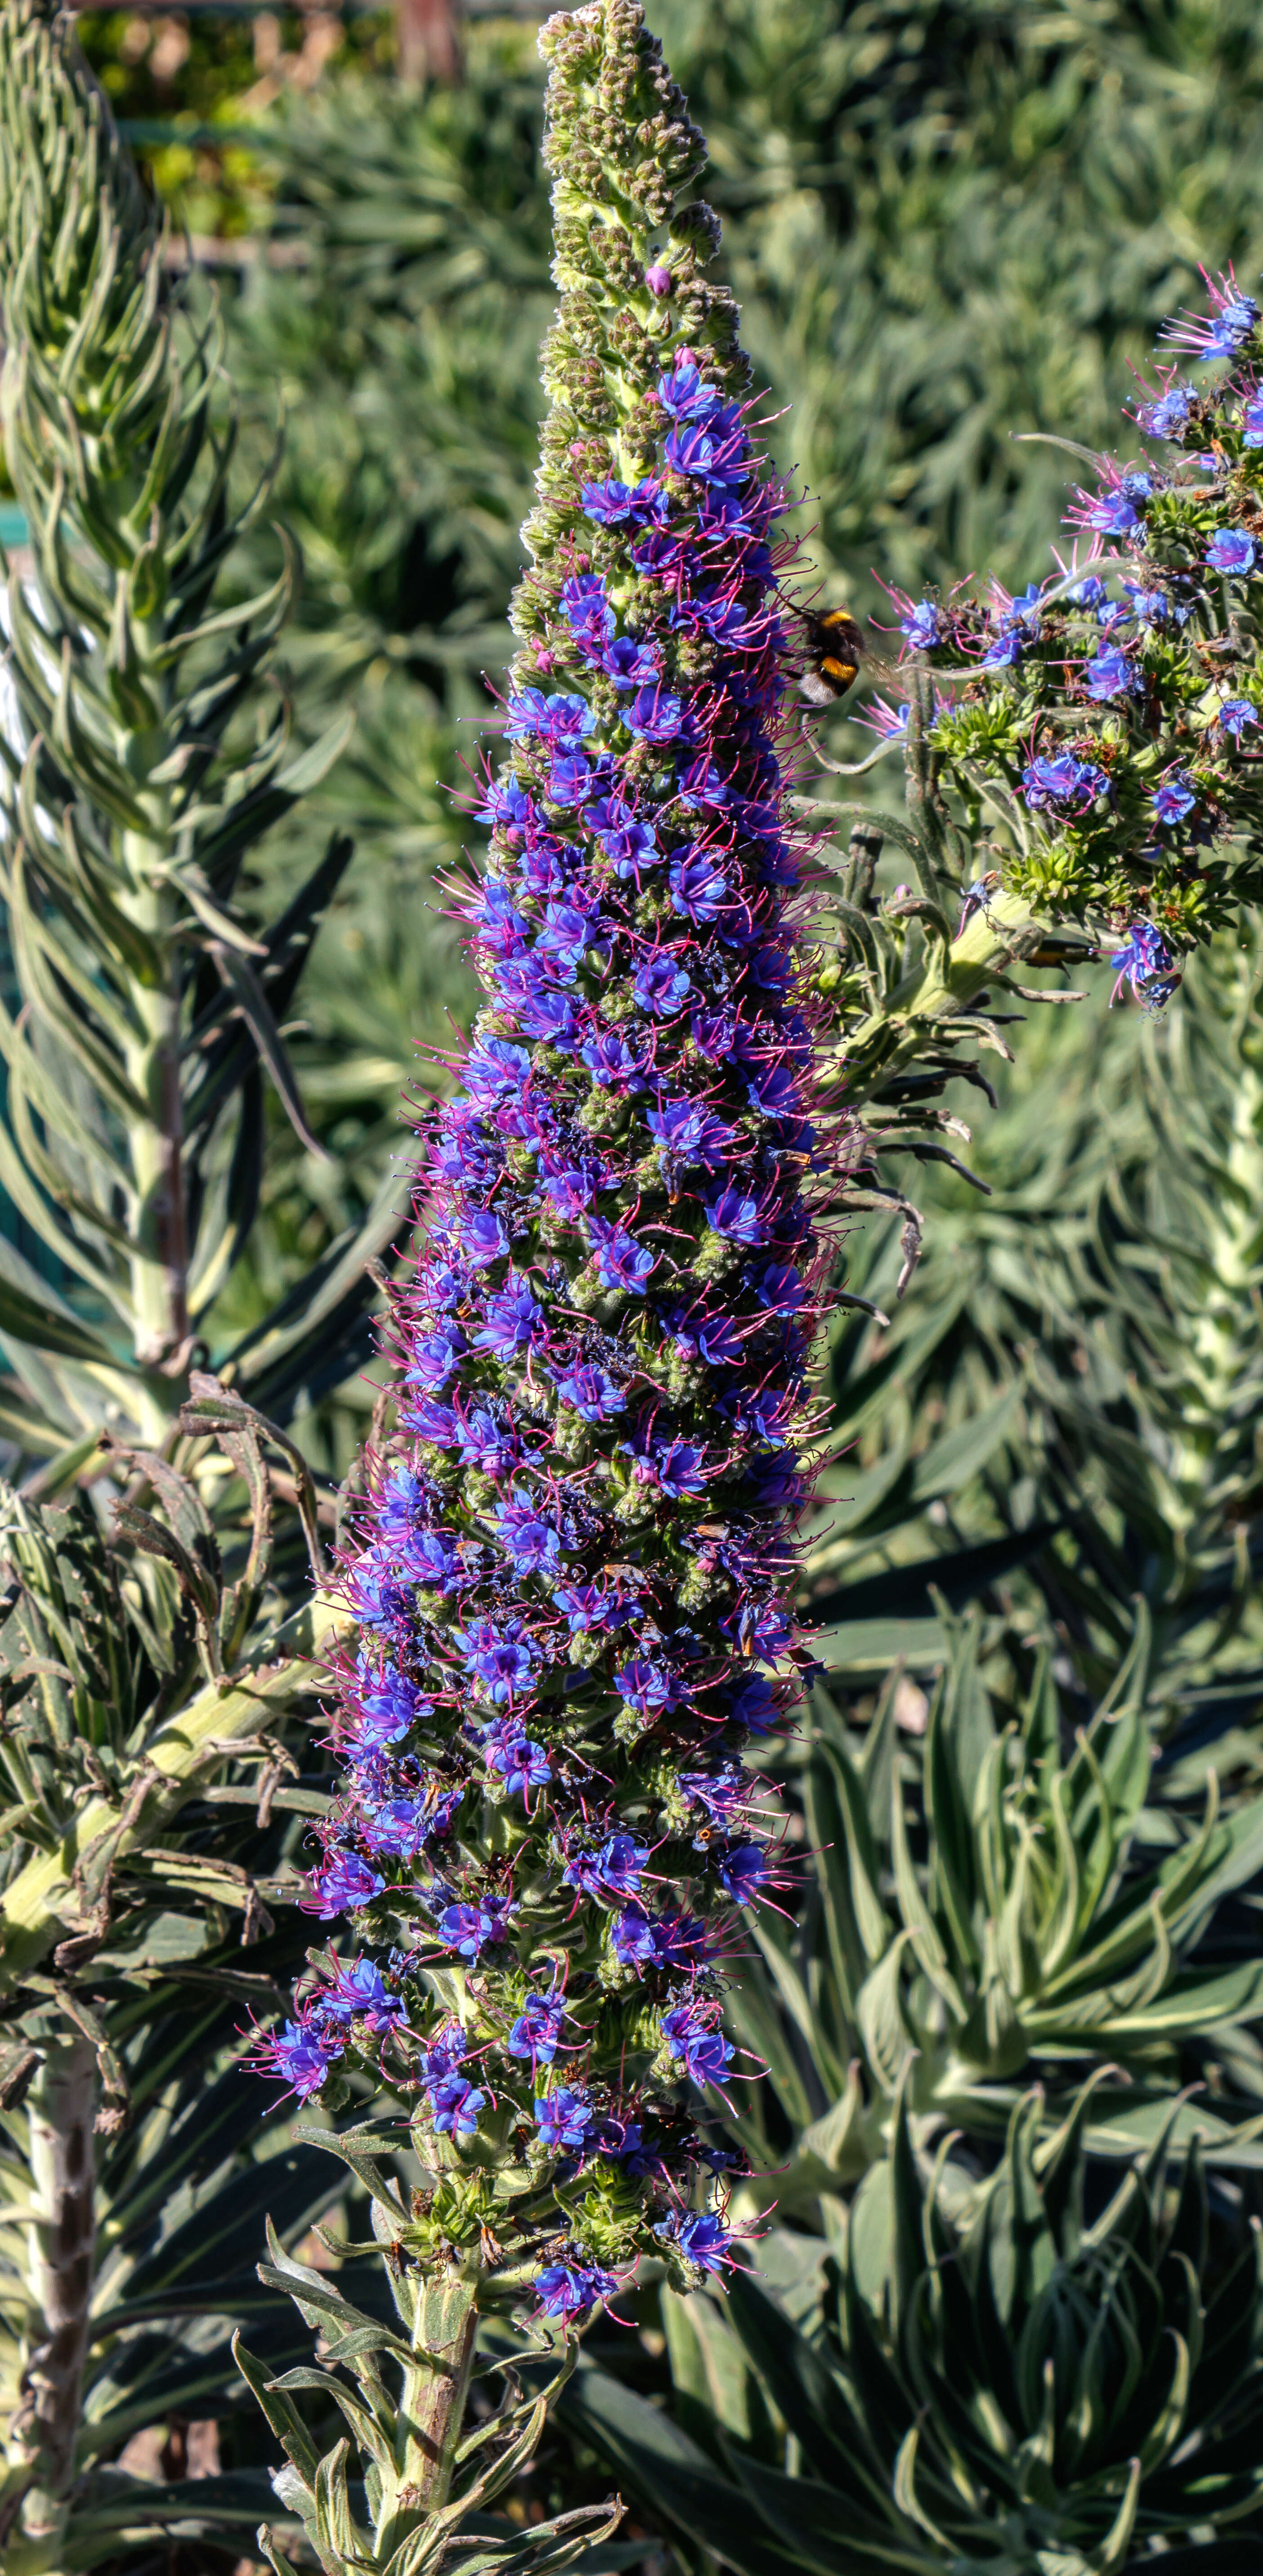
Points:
(432, 2404)
(61, 2242)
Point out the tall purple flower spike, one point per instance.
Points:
(573, 1575)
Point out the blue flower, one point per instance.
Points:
(698, 888)
(1063, 781)
(467, 1929)
(614, 1870)
(629, 664)
(454, 2106)
(515, 1320)
(1090, 593)
(521, 1763)
(654, 715)
(717, 454)
(563, 2119)
(631, 846)
(701, 2237)
(685, 394)
(1236, 714)
(1111, 675)
(569, 2290)
(502, 1659)
(562, 720)
(344, 1884)
(1166, 417)
(537, 2029)
(736, 1216)
(1175, 798)
(301, 2054)
(611, 503)
(661, 986)
(1252, 421)
(689, 1134)
(704, 2053)
(1146, 963)
(647, 1686)
(1232, 551)
(743, 1869)
(619, 1260)
(588, 1608)
(592, 1392)
(922, 625)
(586, 609)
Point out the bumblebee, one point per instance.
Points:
(834, 650)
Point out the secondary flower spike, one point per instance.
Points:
(573, 1571)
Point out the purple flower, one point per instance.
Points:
(503, 1660)
(569, 780)
(398, 1828)
(720, 1794)
(631, 845)
(615, 1061)
(737, 1216)
(1175, 798)
(1166, 417)
(569, 2290)
(1252, 421)
(563, 2119)
(1145, 962)
(488, 1444)
(717, 454)
(647, 1686)
(659, 279)
(611, 503)
(521, 1764)
(654, 715)
(533, 1542)
(586, 609)
(688, 1134)
(1114, 513)
(1229, 325)
(495, 1069)
(670, 1940)
(1231, 551)
(588, 1608)
(386, 1707)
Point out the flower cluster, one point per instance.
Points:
(572, 1576)
(1114, 721)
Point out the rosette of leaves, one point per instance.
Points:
(149, 1007)
(998, 1905)
(1048, 2371)
(123, 2277)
